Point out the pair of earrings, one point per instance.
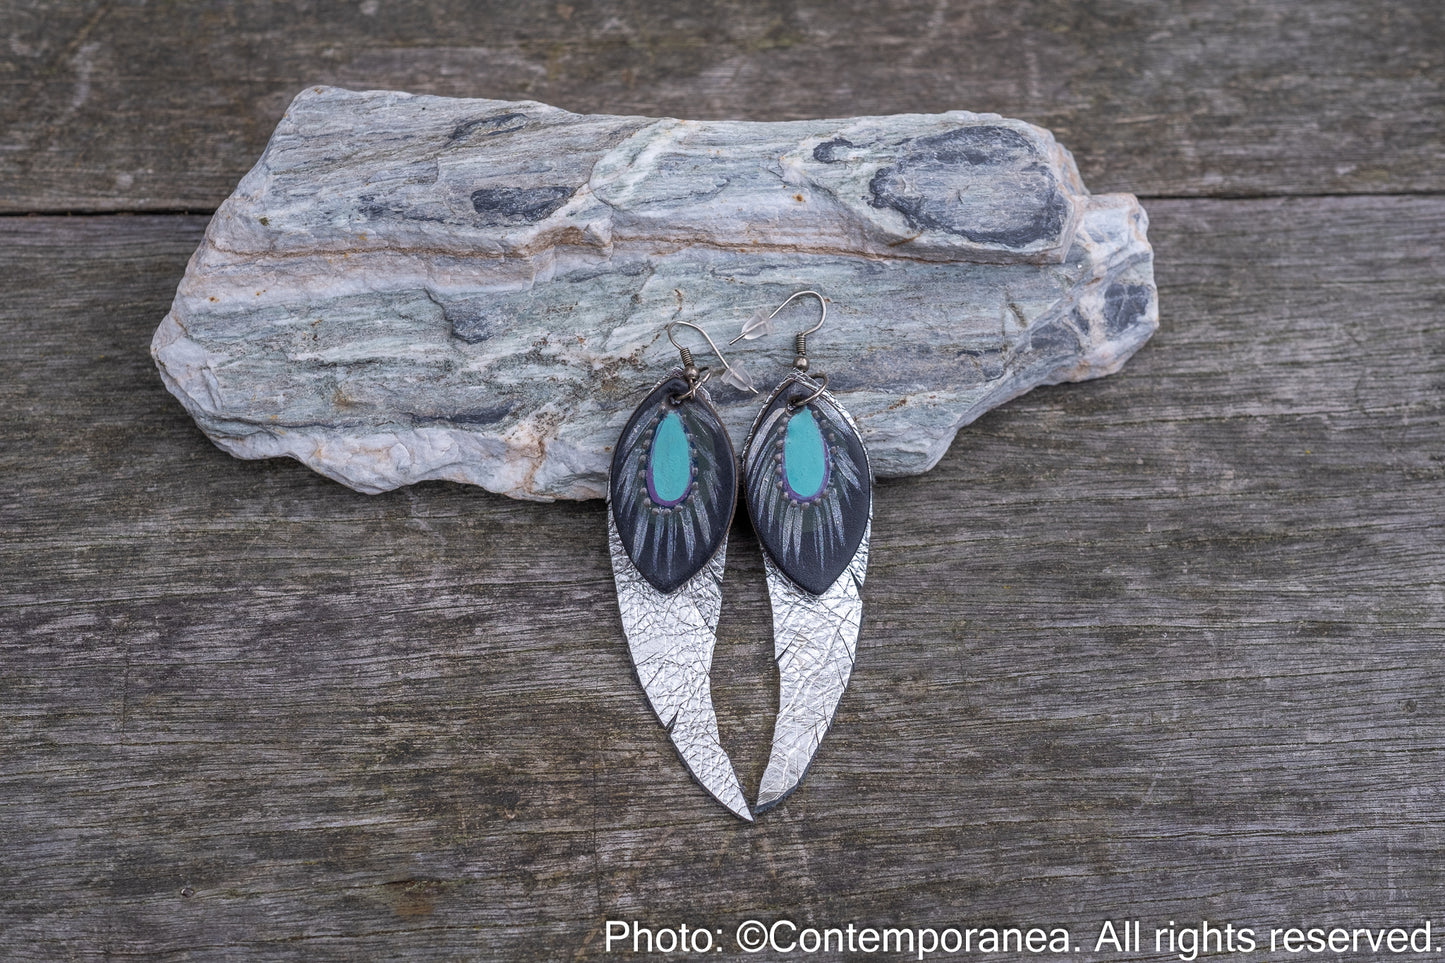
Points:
(671, 498)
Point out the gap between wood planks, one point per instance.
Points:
(1143, 199)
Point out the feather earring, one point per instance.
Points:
(671, 496)
(809, 489)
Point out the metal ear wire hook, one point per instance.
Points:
(822, 301)
(695, 375)
(800, 342)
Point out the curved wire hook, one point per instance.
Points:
(758, 325)
(733, 375)
(759, 318)
(822, 302)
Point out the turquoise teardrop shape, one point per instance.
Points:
(669, 466)
(805, 459)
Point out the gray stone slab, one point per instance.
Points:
(408, 288)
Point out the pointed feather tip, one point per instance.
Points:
(767, 801)
(732, 797)
(741, 811)
(774, 790)
(718, 779)
(729, 794)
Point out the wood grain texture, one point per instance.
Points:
(126, 106)
(1164, 645)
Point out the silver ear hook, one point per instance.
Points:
(759, 325)
(696, 376)
(800, 340)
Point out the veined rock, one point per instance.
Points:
(408, 288)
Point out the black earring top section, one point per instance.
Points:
(673, 487)
(808, 482)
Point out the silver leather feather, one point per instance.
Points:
(815, 642)
(815, 636)
(671, 638)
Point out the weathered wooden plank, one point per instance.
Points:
(164, 106)
(1162, 646)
